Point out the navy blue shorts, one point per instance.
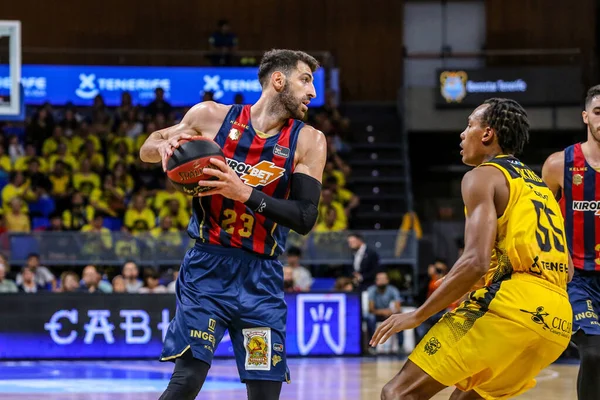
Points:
(226, 288)
(584, 295)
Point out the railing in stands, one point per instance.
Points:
(114, 248)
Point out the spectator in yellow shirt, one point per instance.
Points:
(78, 215)
(98, 239)
(63, 155)
(163, 197)
(85, 181)
(126, 246)
(30, 153)
(343, 196)
(61, 184)
(327, 201)
(122, 179)
(51, 144)
(122, 155)
(17, 187)
(121, 137)
(16, 219)
(167, 238)
(331, 222)
(180, 216)
(91, 153)
(84, 135)
(5, 163)
(139, 218)
(110, 199)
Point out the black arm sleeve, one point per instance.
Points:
(299, 212)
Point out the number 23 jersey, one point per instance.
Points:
(530, 236)
(264, 163)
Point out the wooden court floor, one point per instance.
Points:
(312, 379)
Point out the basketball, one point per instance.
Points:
(185, 167)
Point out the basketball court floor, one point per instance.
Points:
(312, 379)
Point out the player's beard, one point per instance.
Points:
(289, 103)
(594, 130)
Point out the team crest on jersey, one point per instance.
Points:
(261, 174)
(577, 179)
(234, 134)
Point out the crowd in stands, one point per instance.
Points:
(78, 169)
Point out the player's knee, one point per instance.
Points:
(590, 355)
(393, 391)
(589, 348)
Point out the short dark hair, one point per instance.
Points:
(285, 61)
(357, 235)
(592, 92)
(294, 251)
(510, 121)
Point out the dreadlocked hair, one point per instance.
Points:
(509, 119)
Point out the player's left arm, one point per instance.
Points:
(300, 211)
(478, 191)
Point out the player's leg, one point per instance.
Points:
(584, 294)
(258, 334)
(411, 383)
(187, 379)
(460, 395)
(267, 390)
(204, 303)
(588, 379)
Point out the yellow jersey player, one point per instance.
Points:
(494, 344)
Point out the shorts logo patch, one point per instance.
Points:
(432, 346)
(278, 347)
(276, 359)
(257, 342)
(537, 316)
(211, 325)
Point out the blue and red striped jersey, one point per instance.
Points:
(266, 164)
(580, 204)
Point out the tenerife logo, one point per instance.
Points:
(90, 87)
(211, 84)
(214, 83)
(33, 86)
(453, 86)
(587, 206)
(87, 86)
(261, 174)
(318, 318)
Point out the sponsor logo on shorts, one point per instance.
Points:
(278, 347)
(261, 174)
(432, 346)
(211, 325)
(558, 326)
(276, 359)
(589, 314)
(257, 342)
(209, 337)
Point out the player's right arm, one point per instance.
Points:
(553, 172)
(203, 119)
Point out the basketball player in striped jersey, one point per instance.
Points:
(271, 183)
(572, 175)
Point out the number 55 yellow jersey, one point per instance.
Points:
(531, 236)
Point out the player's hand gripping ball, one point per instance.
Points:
(185, 168)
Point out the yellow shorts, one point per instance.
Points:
(498, 340)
